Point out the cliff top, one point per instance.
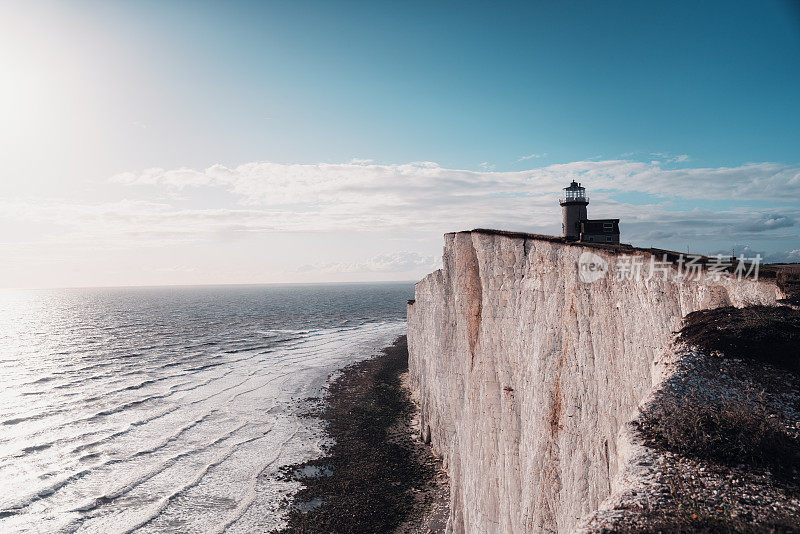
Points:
(621, 248)
(786, 275)
(614, 248)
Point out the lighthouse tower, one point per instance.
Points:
(573, 210)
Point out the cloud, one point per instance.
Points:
(531, 156)
(175, 269)
(786, 256)
(127, 223)
(364, 196)
(269, 184)
(650, 224)
(394, 262)
(767, 221)
(403, 206)
(746, 251)
(417, 199)
(669, 158)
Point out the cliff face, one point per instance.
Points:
(526, 374)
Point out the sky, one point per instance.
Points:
(149, 143)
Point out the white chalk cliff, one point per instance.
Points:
(526, 375)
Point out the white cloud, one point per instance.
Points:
(415, 199)
(531, 156)
(281, 208)
(668, 158)
(272, 184)
(394, 262)
(767, 221)
(425, 197)
(653, 224)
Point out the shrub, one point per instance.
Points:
(769, 334)
(727, 431)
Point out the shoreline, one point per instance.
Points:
(376, 475)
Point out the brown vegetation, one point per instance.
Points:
(788, 279)
(732, 411)
(768, 334)
(729, 431)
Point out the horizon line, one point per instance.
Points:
(223, 284)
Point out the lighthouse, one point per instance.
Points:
(575, 223)
(573, 210)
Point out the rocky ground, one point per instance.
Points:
(434, 498)
(376, 475)
(716, 448)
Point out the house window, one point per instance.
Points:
(609, 238)
(608, 227)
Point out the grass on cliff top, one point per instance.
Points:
(768, 334)
(731, 431)
(657, 523)
(736, 431)
(788, 278)
(728, 432)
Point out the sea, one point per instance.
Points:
(171, 409)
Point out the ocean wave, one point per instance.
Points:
(110, 425)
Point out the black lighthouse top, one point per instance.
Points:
(575, 193)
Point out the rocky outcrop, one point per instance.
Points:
(526, 374)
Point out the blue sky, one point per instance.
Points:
(462, 83)
(646, 103)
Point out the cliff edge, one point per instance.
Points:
(530, 376)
